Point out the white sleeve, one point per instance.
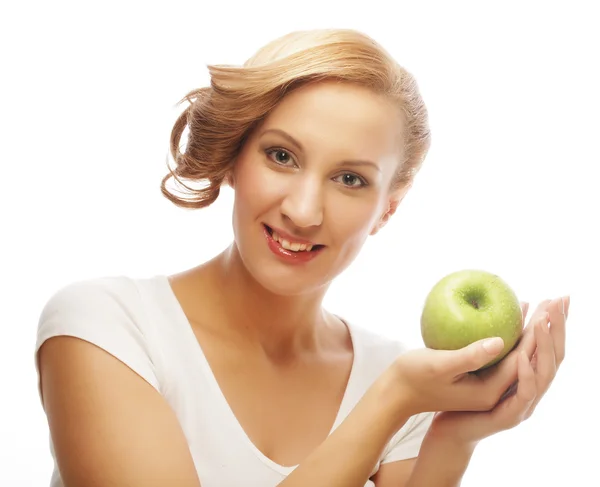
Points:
(105, 312)
(406, 443)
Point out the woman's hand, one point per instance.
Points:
(425, 380)
(536, 368)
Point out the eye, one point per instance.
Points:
(279, 156)
(351, 180)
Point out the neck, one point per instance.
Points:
(281, 325)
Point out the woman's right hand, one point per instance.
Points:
(427, 380)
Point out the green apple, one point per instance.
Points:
(469, 305)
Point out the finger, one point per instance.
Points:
(501, 381)
(503, 377)
(527, 342)
(546, 359)
(526, 390)
(533, 362)
(541, 308)
(545, 369)
(474, 356)
(558, 316)
(513, 410)
(504, 374)
(508, 366)
(511, 391)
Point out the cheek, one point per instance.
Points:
(253, 175)
(257, 188)
(353, 221)
(246, 178)
(349, 228)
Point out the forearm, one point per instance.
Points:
(348, 456)
(441, 463)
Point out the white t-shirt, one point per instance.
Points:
(140, 322)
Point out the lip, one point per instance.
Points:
(289, 256)
(290, 238)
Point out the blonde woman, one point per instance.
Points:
(232, 373)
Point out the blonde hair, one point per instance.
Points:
(220, 117)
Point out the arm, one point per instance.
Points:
(450, 442)
(420, 380)
(347, 457)
(116, 429)
(394, 474)
(108, 425)
(441, 463)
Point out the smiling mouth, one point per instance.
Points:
(292, 246)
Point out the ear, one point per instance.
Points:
(229, 179)
(394, 201)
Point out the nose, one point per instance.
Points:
(303, 203)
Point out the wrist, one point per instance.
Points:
(392, 401)
(442, 462)
(439, 435)
(442, 441)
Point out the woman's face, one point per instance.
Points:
(316, 172)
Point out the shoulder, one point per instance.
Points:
(108, 312)
(118, 291)
(84, 390)
(95, 302)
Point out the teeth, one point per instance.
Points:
(294, 247)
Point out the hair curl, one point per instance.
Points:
(221, 117)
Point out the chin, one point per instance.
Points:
(285, 276)
(281, 279)
(290, 282)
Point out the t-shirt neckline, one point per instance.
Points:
(343, 409)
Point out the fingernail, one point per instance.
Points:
(493, 345)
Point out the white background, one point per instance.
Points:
(510, 184)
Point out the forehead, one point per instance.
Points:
(335, 116)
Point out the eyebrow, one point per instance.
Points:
(353, 162)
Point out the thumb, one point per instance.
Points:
(478, 354)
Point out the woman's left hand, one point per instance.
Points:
(534, 363)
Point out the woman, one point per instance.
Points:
(232, 372)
